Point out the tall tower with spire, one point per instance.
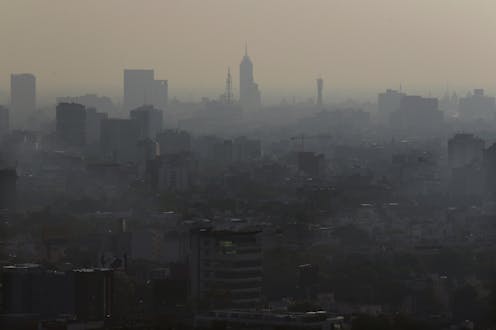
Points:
(320, 86)
(229, 94)
(249, 95)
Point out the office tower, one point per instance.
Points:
(387, 103)
(228, 95)
(119, 139)
(22, 97)
(4, 121)
(172, 172)
(159, 94)
(249, 95)
(149, 120)
(465, 150)
(101, 103)
(71, 124)
(320, 86)
(141, 88)
(417, 116)
(94, 125)
(225, 268)
(477, 106)
(490, 169)
(174, 142)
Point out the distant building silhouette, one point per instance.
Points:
(94, 121)
(140, 88)
(71, 124)
(149, 120)
(477, 106)
(174, 142)
(417, 115)
(22, 97)
(249, 95)
(100, 103)
(490, 169)
(119, 139)
(4, 121)
(388, 103)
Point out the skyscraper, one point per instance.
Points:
(141, 88)
(4, 121)
(249, 95)
(387, 103)
(22, 97)
(149, 120)
(477, 106)
(71, 124)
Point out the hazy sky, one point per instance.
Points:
(83, 46)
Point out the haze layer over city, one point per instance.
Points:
(248, 164)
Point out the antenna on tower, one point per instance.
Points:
(246, 48)
(320, 86)
(229, 93)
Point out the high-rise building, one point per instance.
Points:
(387, 103)
(249, 94)
(94, 121)
(4, 121)
(119, 139)
(101, 103)
(417, 115)
(149, 120)
(71, 124)
(225, 268)
(140, 88)
(477, 106)
(22, 97)
(174, 142)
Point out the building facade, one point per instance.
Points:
(22, 97)
(225, 268)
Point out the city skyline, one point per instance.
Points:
(357, 46)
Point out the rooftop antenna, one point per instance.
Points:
(320, 85)
(246, 48)
(229, 93)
